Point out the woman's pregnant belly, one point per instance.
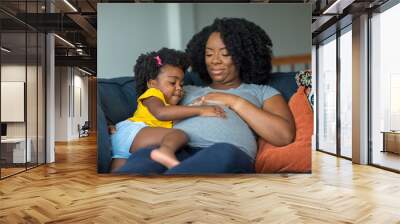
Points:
(205, 131)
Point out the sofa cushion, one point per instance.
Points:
(192, 78)
(117, 98)
(295, 157)
(117, 101)
(284, 82)
(103, 143)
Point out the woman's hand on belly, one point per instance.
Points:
(218, 98)
(274, 122)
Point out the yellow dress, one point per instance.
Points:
(142, 114)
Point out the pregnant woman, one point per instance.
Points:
(233, 56)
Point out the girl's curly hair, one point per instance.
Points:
(147, 66)
(247, 43)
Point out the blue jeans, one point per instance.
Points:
(216, 159)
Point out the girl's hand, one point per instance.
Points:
(198, 102)
(212, 111)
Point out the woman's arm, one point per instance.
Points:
(176, 112)
(274, 122)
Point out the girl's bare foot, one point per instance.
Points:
(112, 129)
(164, 158)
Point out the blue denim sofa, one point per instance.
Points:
(116, 101)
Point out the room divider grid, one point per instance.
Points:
(22, 63)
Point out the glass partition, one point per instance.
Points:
(327, 96)
(22, 64)
(41, 111)
(385, 89)
(346, 92)
(13, 107)
(31, 99)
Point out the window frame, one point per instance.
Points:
(344, 28)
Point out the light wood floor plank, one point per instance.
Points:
(70, 191)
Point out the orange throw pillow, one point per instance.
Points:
(295, 157)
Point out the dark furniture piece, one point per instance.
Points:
(3, 130)
(117, 101)
(83, 130)
(391, 141)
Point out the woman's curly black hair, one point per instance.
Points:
(247, 43)
(147, 66)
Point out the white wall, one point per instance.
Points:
(33, 126)
(61, 103)
(288, 25)
(69, 82)
(15, 72)
(174, 30)
(186, 23)
(127, 30)
(79, 117)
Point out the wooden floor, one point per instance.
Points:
(5, 172)
(70, 191)
(387, 159)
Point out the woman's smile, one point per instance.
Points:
(216, 71)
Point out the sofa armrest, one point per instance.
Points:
(103, 143)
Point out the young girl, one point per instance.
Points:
(159, 80)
